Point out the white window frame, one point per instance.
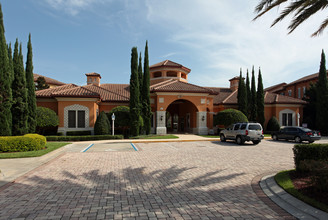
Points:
(76, 108)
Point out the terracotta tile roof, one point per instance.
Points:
(93, 74)
(120, 92)
(275, 88)
(76, 92)
(111, 92)
(226, 96)
(222, 94)
(169, 63)
(272, 98)
(45, 93)
(173, 85)
(48, 80)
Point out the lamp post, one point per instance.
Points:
(113, 119)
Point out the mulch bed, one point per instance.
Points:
(302, 182)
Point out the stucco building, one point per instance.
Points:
(177, 106)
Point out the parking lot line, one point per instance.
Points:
(87, 148)
(134, 147)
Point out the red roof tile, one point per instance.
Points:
(173, 85)
(169, 63)
(48, 80)
(119, 92)
(76, 92)
(107, 95)
(48, 92)
(275, 88)
(93, 74)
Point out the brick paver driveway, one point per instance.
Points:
(181, 180)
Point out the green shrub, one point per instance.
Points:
(228, 117)
(46, 121)
(28, 142)
(77, 133)
(102, 125)
(305, 152)
(273, 124)
(83, 138)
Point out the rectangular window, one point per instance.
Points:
(304, 90)
(287, 119)
(289, 92)
(71, 119)
(81, 119)
(299, 93)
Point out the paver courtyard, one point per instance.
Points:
(180, 180)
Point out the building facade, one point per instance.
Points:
(177, 106)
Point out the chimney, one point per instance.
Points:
(234, 82)
(93, 79)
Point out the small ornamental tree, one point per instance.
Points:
(31, 99)
(46, 119)
(260, 100)
(134, 94)
(253, 109)
(19, 107)
(41, 83)
(228, 117)
(102, 125)
(273, 124)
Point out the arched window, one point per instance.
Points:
(171, 74)
(157, 74)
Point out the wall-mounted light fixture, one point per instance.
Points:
(161, 118)
(203, 118)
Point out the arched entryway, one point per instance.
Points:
(181, 117)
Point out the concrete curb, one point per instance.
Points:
(289, 203)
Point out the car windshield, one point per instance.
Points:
(254, 127)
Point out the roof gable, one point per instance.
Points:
(48, 80)
(172, 85)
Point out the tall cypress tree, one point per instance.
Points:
(146, 108)
(241, 97)
(31, 99)
(19, 107)
(140, 73)
(322, 97)
(11, 74)
(253, 99)
(134, 93)
(260, 100)
(249, 95)
(5, 86)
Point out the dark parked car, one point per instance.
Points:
(298, 134)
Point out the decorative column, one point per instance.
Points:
(201, 118)
(160, 122)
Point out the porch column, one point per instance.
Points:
(202, 123)
(160, 122)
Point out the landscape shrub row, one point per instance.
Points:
(83, 138)
(313, 159)
(28, 142)
(77, 133)
(302, 152)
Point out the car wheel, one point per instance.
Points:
(310, 142)
(239, 140)
(298, 140)
(256, 142)
(274, 137)
(222, 138)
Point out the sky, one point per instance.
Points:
(214, 38)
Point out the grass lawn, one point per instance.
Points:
(283, 180)
(155, 137)
(51, 146)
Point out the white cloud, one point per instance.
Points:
(222, 32)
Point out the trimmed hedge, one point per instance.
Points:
(28, 142)
(273, 124)
(77, 133)
(83, 138)
(228, 117)
(309, 152)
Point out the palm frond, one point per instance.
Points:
(321, 28)
(266, 6)
(306, 12)
(289, 10)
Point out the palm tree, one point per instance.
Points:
(300, 10)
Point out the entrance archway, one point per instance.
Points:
(181, 117)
